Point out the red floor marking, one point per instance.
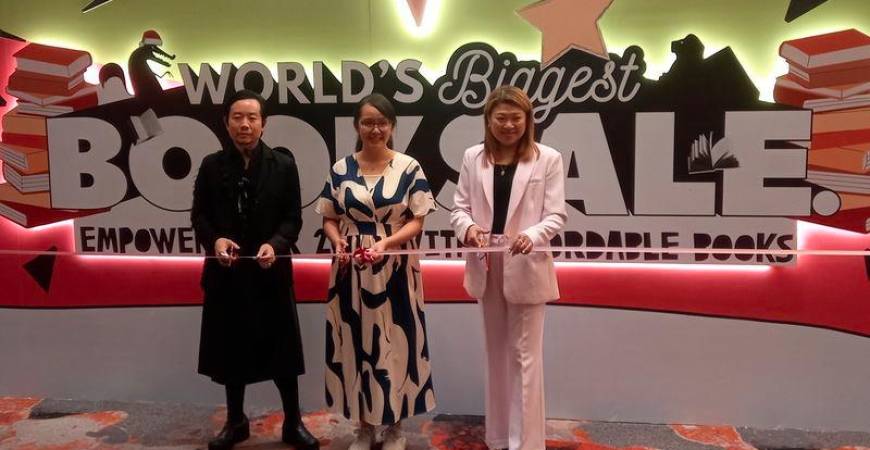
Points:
(720, 436)
(269, 425)
(13, 409)
(105, 418)
(455, 436)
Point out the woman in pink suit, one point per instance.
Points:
(511, 193)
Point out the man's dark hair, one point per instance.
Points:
(245, 94)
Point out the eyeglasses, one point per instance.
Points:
(372, 124)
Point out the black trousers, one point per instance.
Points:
(288, 387)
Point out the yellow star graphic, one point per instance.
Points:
(567, 24)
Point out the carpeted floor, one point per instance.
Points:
(44, 424)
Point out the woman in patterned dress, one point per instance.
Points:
(377, 358)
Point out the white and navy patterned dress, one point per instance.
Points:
(377, 358)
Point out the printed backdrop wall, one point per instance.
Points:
(682, 134)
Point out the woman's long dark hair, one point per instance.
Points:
(384, 106)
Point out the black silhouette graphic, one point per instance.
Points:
(11, 36)
(716, 81)
(690, 56)
(94, 4)
(797, 8)
(145, 83)
(41, 269)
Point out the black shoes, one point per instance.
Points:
(230, 435)
(294, 433)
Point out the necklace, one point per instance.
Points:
(502, 170)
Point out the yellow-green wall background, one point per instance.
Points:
(269, 31)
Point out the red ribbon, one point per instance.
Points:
(363, 254)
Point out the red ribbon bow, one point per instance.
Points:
(363, 254)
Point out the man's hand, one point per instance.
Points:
(226, 251)
(476, 237)
(266, 256)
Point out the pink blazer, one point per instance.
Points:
(536, 208)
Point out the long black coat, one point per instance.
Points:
(250, 329)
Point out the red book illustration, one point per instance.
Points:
(29, 216)
(835, 104)
(48, 60)
(827, 49)
(857, 220)
(838, 74)
(26, 183)
(789, 92)
(81, 90)
(40, 110)
(852, 159)
(842, 120)
(786, 93)
(27, 160)
(25, 140)
(840, 138)
(8, 193)
(16, 122)
(83, 100)
(20, 82)
(31, 210)
(838, 180)
(853, 201)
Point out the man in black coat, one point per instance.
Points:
(247, 212)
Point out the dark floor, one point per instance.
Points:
(37, 424)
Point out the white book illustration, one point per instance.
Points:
(146, 126)
(707, 156)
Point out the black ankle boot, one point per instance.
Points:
(231, 434)
(294, 433)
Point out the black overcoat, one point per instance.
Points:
(250, 329)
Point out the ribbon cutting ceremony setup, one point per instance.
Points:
(446, 224)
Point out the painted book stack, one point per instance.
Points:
(48, 81)
(830, 74)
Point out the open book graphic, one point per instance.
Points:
(708, 157)
(146, 126)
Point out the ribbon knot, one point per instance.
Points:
(363, 254)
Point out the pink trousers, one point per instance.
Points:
(515, 415)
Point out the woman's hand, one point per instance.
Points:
(522, 244)
(377, 250)
(476, 237)
(339, 248)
